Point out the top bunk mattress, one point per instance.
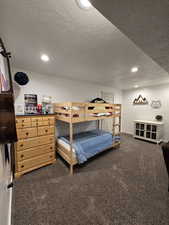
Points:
(90, 143)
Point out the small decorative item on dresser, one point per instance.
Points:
(39, 108)
(19, 109)
(30, 103)
(47, 104)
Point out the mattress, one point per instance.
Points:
(66, 146)
(88, 144)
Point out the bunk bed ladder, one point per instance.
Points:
(71, 142)
(118, 124)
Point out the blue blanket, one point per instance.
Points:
(88, 144)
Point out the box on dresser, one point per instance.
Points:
(36, 142)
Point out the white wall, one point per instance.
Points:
(73, 90)
(132, 112)
(61, 89)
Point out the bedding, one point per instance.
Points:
(71, 108)
(90, 143)
(101, 114)
(66, 145)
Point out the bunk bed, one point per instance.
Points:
(77, 148)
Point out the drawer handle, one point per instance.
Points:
(21, 145)
(22, 156)
(46, 130)
(22, 166)
(27, 133)
(51, 156)
(51, 147)
(22, 121)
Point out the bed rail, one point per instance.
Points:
(75, 112)
(70, 112)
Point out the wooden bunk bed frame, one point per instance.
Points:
(75, 112)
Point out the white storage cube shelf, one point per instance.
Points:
(148, 130)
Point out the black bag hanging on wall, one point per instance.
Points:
(8, 135)
(7, 119)
(7, 114)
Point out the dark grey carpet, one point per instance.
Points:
(127, 186)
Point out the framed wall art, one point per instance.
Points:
(156, 104)
(140, 101)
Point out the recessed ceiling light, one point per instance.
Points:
(84, 4)
(134, 69)
(136, 86)
(44, 57)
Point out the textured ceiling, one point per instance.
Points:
(146, 22)
(82, 44)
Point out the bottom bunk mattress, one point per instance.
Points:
(88, 144)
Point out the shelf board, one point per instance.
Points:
(148, 139)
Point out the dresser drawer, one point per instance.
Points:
(26, 133)
(35, 121)
(36, 151)
(23, 123)
(36, 118)
(43, 123)
(46, 117)
(33, 142)
(26, 123)
(31, 163)
(45, 130)
(52, 121)
(46, 139)
(23, 120)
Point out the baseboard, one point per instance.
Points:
(127, 134)
(131, 135)
(164, 140)
(10, 203)
(10, 207)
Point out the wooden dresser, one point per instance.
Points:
(36, 143)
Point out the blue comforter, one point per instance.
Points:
(88, 144)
